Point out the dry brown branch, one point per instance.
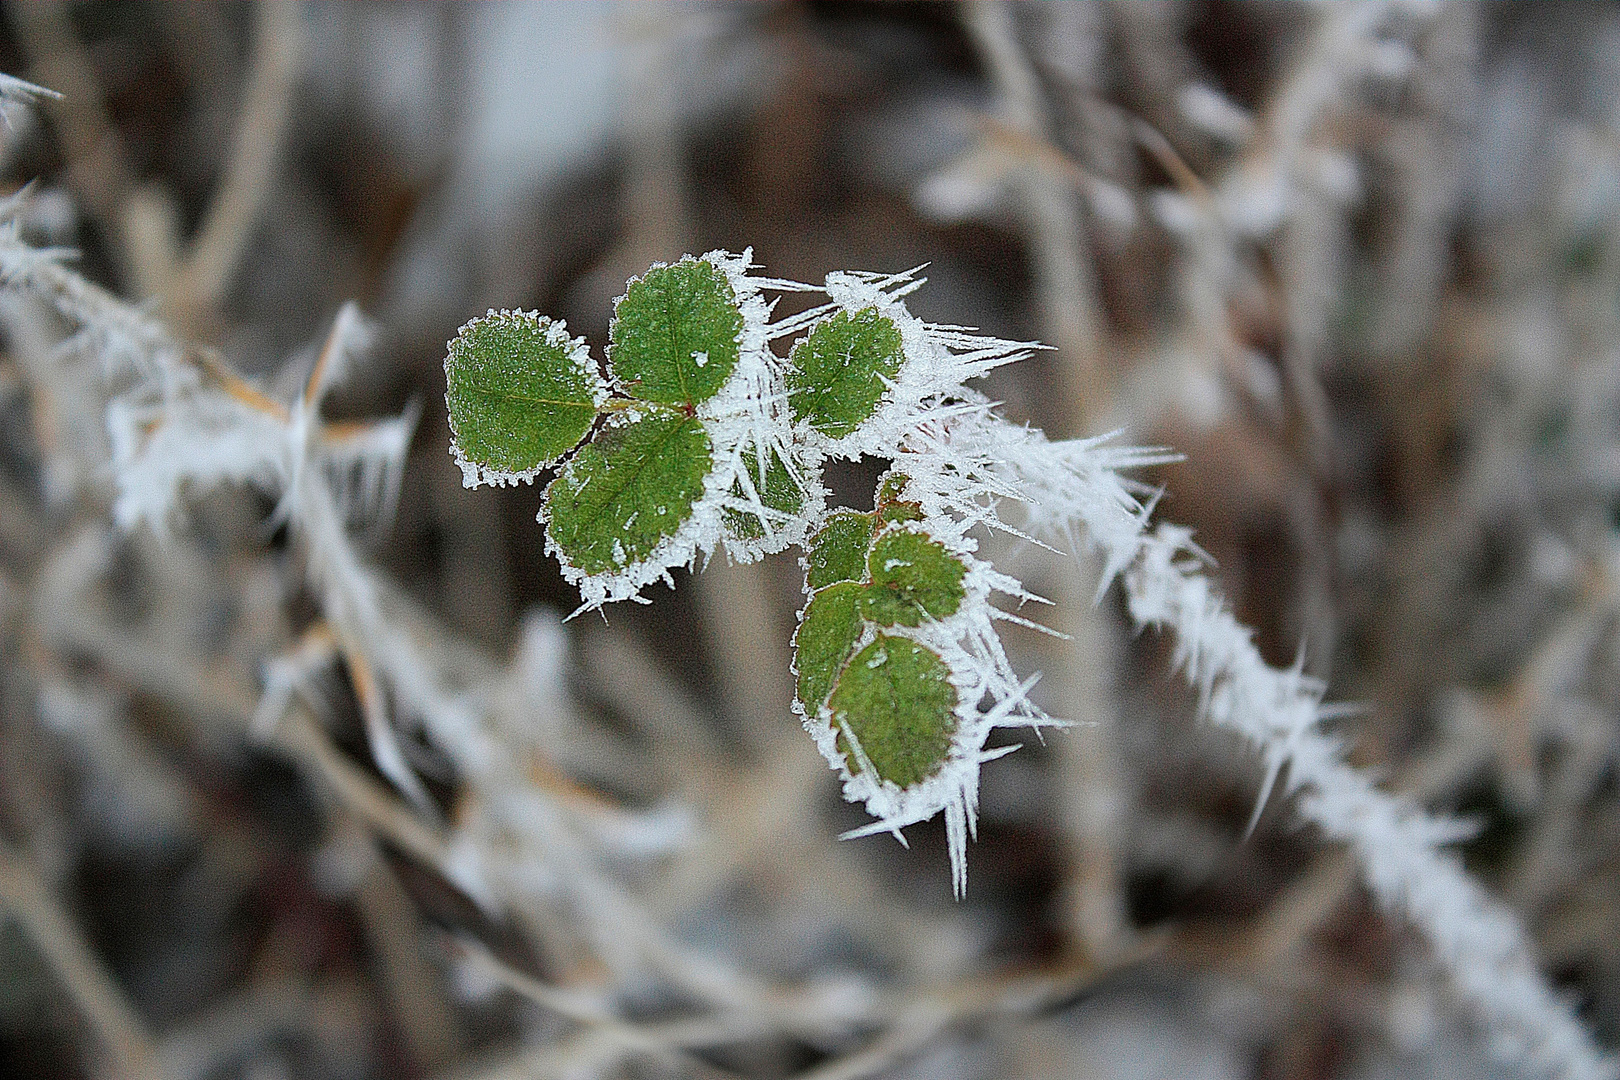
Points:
(1067, 301)
(1057, 236)
(411, 984)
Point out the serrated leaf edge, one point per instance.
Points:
(679, 548)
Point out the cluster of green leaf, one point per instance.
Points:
(701, 436)
(521, 395)
(889, 698)
(666, 462)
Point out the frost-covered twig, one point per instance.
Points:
(968, 466)
(15, 92)
(1072, 320)
(1397, 844)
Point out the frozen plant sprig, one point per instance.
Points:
(964, 467)
(693, 449)
(900, 673)
(703, 437)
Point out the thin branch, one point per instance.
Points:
(1064, 279)
(250, 170)
(410, 984)
(299, 733)
(129, 1046)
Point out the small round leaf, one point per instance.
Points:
(627, 490)
(825, 638)
(520, 392)
(838, 370)
(675, 334)
(913, 578)
(896, 698)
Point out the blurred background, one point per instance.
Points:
(1360, 264)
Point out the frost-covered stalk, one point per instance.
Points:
(19, 92)
(1397, 844)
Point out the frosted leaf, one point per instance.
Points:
(675, 334)
(913, 579)
(895, 702)
(521, 394)
(828, 633)
(840, 370)
(630, 488)
(838, 552)
(926, 385)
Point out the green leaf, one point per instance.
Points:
(780, 492)
(629, 488)
(913, 578)
(900, 511)
(675, 334)
(895, 697)
(837, 373)
(838, 551)
(824, 640)
(520, 393)
(891, 488)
